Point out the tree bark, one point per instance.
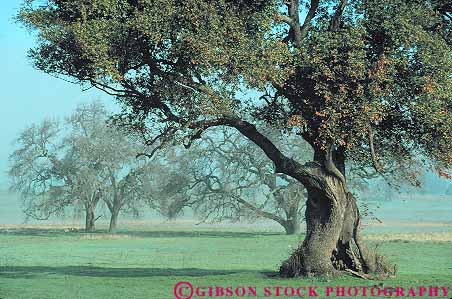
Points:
(89, 219)
(292, 226)
(332, 241)
(113, 220)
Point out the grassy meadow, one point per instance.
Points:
(145, 259)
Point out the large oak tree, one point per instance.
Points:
(362, 81)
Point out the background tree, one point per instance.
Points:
(128, 191)
(87, 161)
(51, 174)
(39, 174)
(113, 153)
(365, 82)
(225, 177)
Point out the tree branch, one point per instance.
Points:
(336, 19)
(331, 166)
(307, 22)
(260, 212)
(282, 163)
(375, 162)
(294, 14)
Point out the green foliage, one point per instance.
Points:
(152, 46)
(383, 68)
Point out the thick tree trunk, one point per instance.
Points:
(332, 240)
(89, 219)
(113, 221)
(292, 226)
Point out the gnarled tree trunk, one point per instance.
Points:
(90, 204)
(332, 241)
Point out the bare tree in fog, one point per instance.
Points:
(78, 164)
(228, 178)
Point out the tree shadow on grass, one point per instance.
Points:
(90, 271)
(39, 232)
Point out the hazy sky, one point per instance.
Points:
(28, 95)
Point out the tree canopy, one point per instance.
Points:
(371, 77)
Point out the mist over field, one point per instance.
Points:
(409, 210)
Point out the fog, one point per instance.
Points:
(423, 209)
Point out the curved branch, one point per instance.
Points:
(286, 19)
(331, 167)
(375, 162)
(260, 212)
(283, 164)
(298, 32)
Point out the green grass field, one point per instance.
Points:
(148, 262)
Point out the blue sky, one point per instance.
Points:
(28, 95)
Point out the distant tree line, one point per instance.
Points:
(87, 160)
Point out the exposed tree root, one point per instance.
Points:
(333, 244)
